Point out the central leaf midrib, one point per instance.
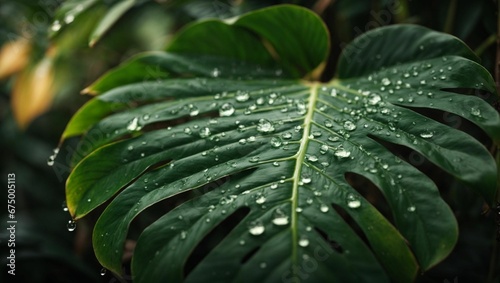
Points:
(300, 156)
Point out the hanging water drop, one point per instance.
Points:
(64, 206)
(342, 153)
(103, 271)
(71, 225)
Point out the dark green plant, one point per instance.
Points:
(232, 128)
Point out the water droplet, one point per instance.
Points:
(69, 18)
(423, 82)
(353, 201)
(342, 153)
(254, 159)
(89, 200)
(52, 158)
(411, 208)
(386, 81)
(350, 126)
(242, 96)
(242, 242)
(324, 208)
(204, 132)
(323, 149)
(373, 99)
(193, 111)
(133, 125)
(71, 225)
(306, 178)
(227, 109)
(475, 112)
(265, 126)
(56, 26)
(280, 218)
(303, 242)
(184, 234)
(215, 73)
(256, 228)
(312, 158)
(263, 265)
(426, 135)
(260, 200)
(276, 142)
(328, 123)
(287, 135)
(103, 271)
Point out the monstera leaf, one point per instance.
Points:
(229, 135)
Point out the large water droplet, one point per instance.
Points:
(312, 158)
(276, 142)
(71, 225)
(260, 199)
(386, 81)
(193, 111)
(324, 208)
(426, 134)
(349, 125)
(303, 242)
(103, 271)
(256, 228)
(56, 26)
(204, 132)
(227, 109)
(242, 96)
(475, 112)
(306, 178)
(342, 153)
(280, 218)
(373, 99)
(265, 126)
(133, 125)
(353, 201)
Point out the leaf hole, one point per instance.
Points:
(333, 244)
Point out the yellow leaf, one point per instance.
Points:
(13, 57)
(33, 92)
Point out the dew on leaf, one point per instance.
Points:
(323, 208)
(374, 99)
(312, 158)
(71, 225)
(303, 242)
(276, 142)
(349, 125)
(353, 201)
(426, 135)
(256, 228)
(242, 96)
(475, 112)
(306, 178)
(280, 218)
(204, 132)
(227, 109)
(342, 153)
(411, 208)
(133, 125)
(265, 126)
(260, 200)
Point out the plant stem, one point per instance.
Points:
(450, 18)
(485, 44)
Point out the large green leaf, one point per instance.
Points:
(266, 154)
